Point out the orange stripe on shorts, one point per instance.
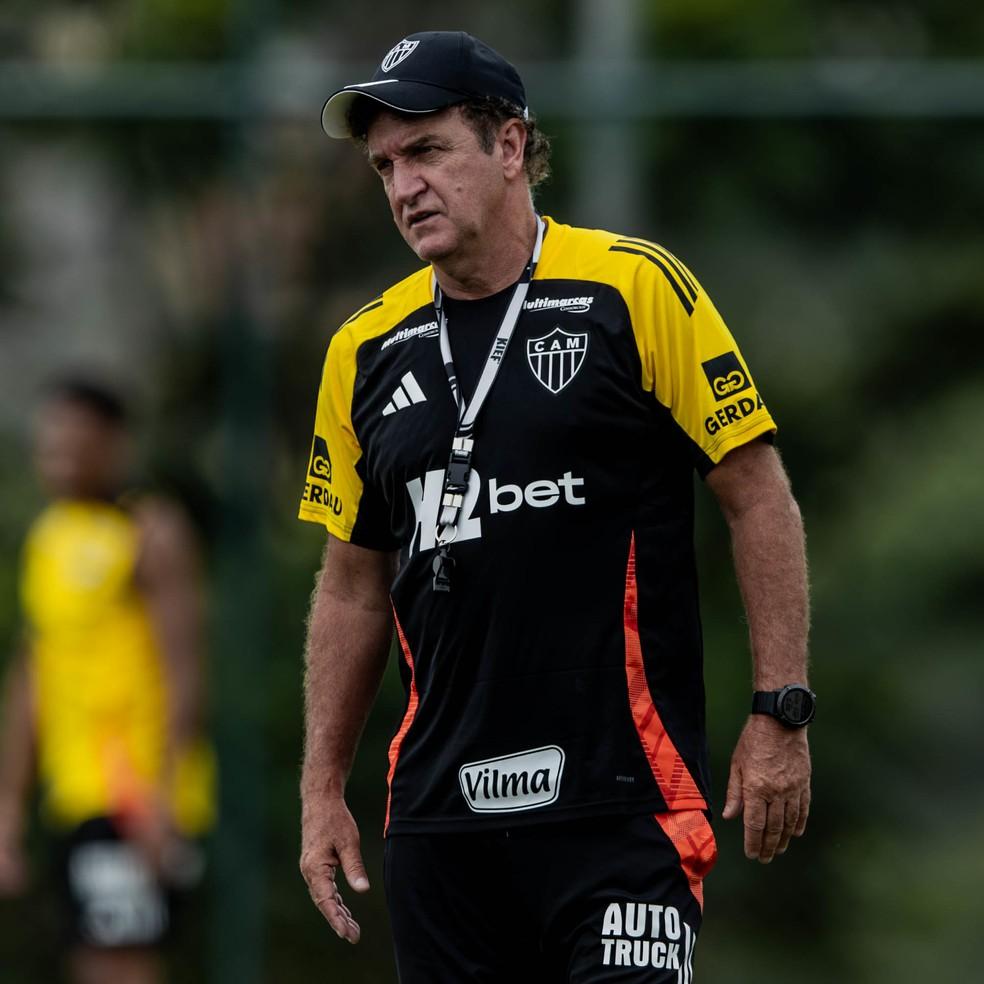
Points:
(693, 838)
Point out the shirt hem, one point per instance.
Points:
(500, 821)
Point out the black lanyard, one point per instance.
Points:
(462, 447)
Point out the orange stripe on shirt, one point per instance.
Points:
(693, 838)
(410, 713)
(674, 780)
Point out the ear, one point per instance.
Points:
(512, 144)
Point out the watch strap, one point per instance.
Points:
(765, 702)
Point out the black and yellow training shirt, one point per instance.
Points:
(561, 676)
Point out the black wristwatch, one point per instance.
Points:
(794, 706)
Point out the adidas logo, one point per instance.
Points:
(406, 394)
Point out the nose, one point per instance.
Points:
(407, 183)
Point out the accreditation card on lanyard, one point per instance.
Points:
(462, 447)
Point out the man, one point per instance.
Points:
(104, 702)
(503, 456)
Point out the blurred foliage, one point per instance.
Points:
(846, 257)
(791, 28)
(164, 29)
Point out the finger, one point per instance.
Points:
(339, 918)
(353, 930)
(774, 821)
(733, 800)
(790, 819)
(320, 878)
(321, 884)
(354, 868)
(755, 817)
(804, 813)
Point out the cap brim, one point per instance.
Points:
(402, 95)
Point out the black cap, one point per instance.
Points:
(426, 72)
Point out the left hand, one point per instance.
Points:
(770, 784)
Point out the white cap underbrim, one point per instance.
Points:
(402, 95)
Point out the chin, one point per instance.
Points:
(433, 248)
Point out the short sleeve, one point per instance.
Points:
(335, 494)
(691, 362)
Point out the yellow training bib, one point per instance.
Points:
(99, 686)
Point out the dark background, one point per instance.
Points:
(171, 217)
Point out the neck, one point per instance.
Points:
(496, 263)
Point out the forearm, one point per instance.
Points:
(169, 576)
(770, 564)
(178, 619)
(770, 560)
(349, 635)
(348, 643)
(16, 746)
(769, 781)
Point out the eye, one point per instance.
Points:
(383, 167)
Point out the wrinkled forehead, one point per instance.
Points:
(390, 130)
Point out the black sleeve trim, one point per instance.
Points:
(671, 280)
(365, 310)
(670, 258)
(706, 465)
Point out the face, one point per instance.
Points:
(77, 453)
(443, 189)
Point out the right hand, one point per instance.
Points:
(148, 826)
(329, 841)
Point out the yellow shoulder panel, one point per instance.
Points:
(333, 488)
(689, 359)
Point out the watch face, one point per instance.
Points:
(796, 705)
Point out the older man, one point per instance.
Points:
(503, 458)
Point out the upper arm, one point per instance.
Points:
(338, 492)
(690, 360)
(747, 476)
(351, 616)
(168, 556)
(17, 710)
(17, 679)
(355, 575)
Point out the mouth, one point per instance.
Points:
(416, 218)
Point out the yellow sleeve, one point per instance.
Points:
(690, 360)
(333, 487)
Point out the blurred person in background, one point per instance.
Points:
(503, 457)
(103, 705)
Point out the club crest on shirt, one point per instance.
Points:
(556, 357)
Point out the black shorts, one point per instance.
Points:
(111, 895)
(581, 902)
